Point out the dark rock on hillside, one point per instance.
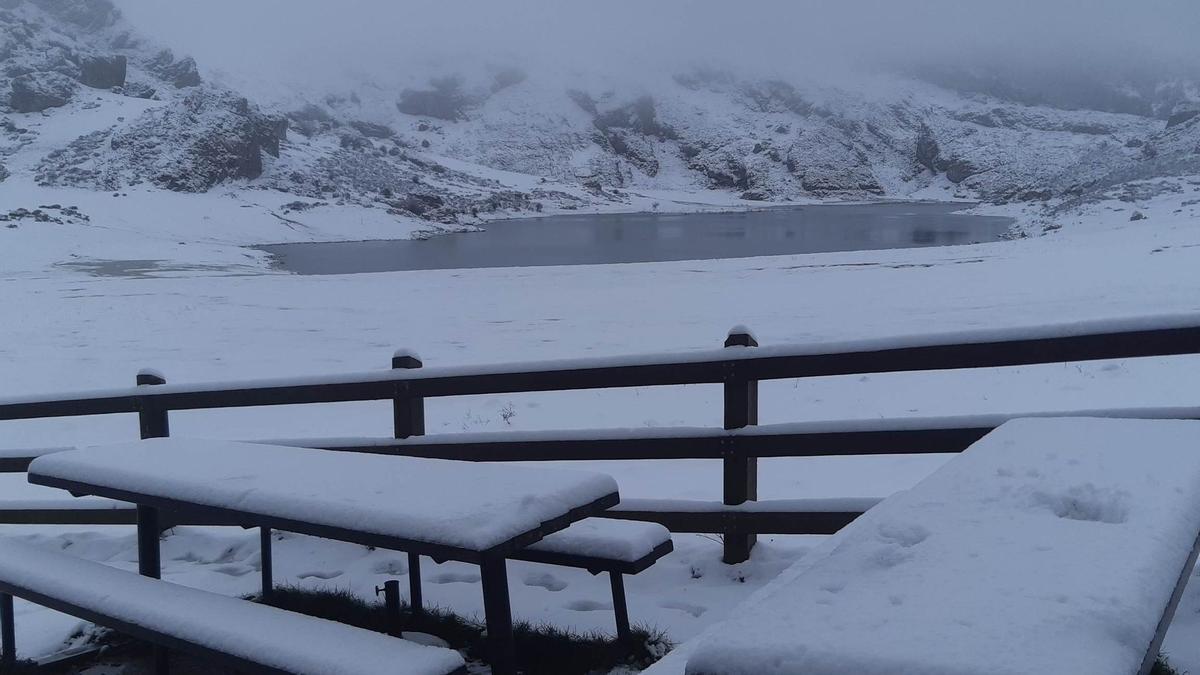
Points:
(958, 170)
(1182, 116)
(311, 120)
(640, 116)
(372, 130)
(36, 92)
(180, 72)
(139, 90)
(103, 72)
(584, 100)
(444, 100)
(928, 151)
(86, 14)
(191, 145)
(508, 77)
(3, 173)
(776, 96)
(630, 130)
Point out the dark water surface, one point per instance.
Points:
(651, 237)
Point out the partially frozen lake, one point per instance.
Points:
(653, 237)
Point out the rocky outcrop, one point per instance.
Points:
(959, 169)
(928, 152)
(372, 130)
(3, 172)
(1182, 116)
(35, 92)
(204, 139)
(444, 100)
(103, 72)
(89, 15)
(182, 73)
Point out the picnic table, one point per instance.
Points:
(448, 510)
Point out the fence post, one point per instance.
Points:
(152, 418)
(408, 411)
(740, 470)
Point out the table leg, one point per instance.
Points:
(265, 554)
(8, 633)
(621, 609)
(149, 558)
(415, 603)
(150, 565)
(498, 610)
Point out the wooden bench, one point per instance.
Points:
(229, 631)
(1051, 544)
(618, 547)
(475, 513)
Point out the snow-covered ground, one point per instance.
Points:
(214, 310)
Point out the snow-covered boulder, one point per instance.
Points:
(35, 92)
(181, 72)
(103, 72)
(208, 137)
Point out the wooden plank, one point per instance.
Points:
(635, 371)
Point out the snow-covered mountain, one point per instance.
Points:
(86, 102)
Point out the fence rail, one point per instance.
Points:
(738, 368)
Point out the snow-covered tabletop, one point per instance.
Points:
(464, 506)
(1051, 544)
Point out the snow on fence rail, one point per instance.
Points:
(739, 367)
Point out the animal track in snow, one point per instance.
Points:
(545, 580)
(455, 578)
(320, 575)
(587, 605)
(694, 610)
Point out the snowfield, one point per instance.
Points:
(71, 328)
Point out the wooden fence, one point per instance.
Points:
(739, 367)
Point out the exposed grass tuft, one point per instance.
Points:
(1163, 667)
(541, 649)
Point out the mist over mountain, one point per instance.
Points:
(412, 107)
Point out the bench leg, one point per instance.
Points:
(621, 609)
(149, 557)
(265, 553)
(415, 602)
(150, 565)
(498, 610)
(8, 633)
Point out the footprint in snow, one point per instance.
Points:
(320, 575)
(391, 566)
(234, 570)
(587, 605)
(545, 580)
(455, 578)
(694, 610)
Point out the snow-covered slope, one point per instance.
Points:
(85, 102)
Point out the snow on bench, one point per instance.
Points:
(465, 506)
(176, 616)
(1050, 544)
(601, 545)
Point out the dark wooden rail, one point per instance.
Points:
(738, 368)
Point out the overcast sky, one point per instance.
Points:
(325, 38)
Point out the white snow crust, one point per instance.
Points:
(460, 504)
(1050, 541)
(276, 638)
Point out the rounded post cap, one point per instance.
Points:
(406, 358)
(740, 336)
(150, 376)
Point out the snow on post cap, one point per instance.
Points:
(150, 374)
(739, 331)
(406, 358)
(402, 352)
